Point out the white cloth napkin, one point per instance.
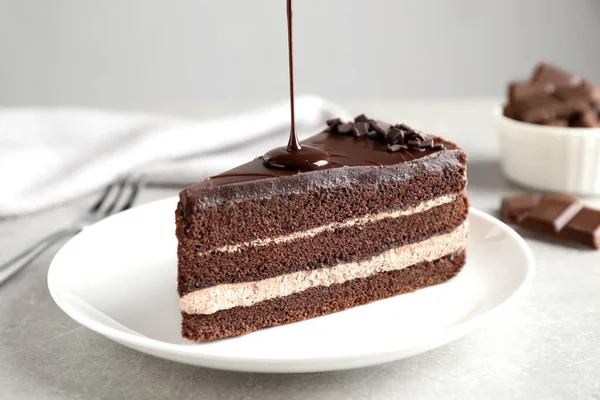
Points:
(49, 156)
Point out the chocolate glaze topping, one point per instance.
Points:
(398, 145)
(246, 183)
(295, 156)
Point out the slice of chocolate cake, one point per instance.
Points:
(260, 246)
(359, 212)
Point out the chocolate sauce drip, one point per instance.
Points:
(293, 143)
(306, 158)
(295, 156)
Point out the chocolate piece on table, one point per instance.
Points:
(563, 217)
(552, 214)
(561, 197)
(514, 208)
(584, 228)
(546, 73)
(556, 215)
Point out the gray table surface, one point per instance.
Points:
(546, 347)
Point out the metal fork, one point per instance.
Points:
(118, 196)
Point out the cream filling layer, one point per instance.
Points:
(367, 219)
(225, 296)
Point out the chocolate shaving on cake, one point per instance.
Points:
(395, 135)
(396, 147)
(333, 122)
(426, 143)
(381, 127)
(344, 128)
(362, 128)
(398, 137)
(361, 118)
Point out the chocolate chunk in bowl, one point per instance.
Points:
(549, 132)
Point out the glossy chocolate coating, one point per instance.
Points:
(304, 158)
(345, 151)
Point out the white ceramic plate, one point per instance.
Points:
(118, 278)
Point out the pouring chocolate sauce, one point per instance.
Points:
(295, 156)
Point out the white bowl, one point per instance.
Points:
(549, 158)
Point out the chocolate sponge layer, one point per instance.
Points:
(353, 243)
(321, 300)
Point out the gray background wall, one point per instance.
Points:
(153, 53)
